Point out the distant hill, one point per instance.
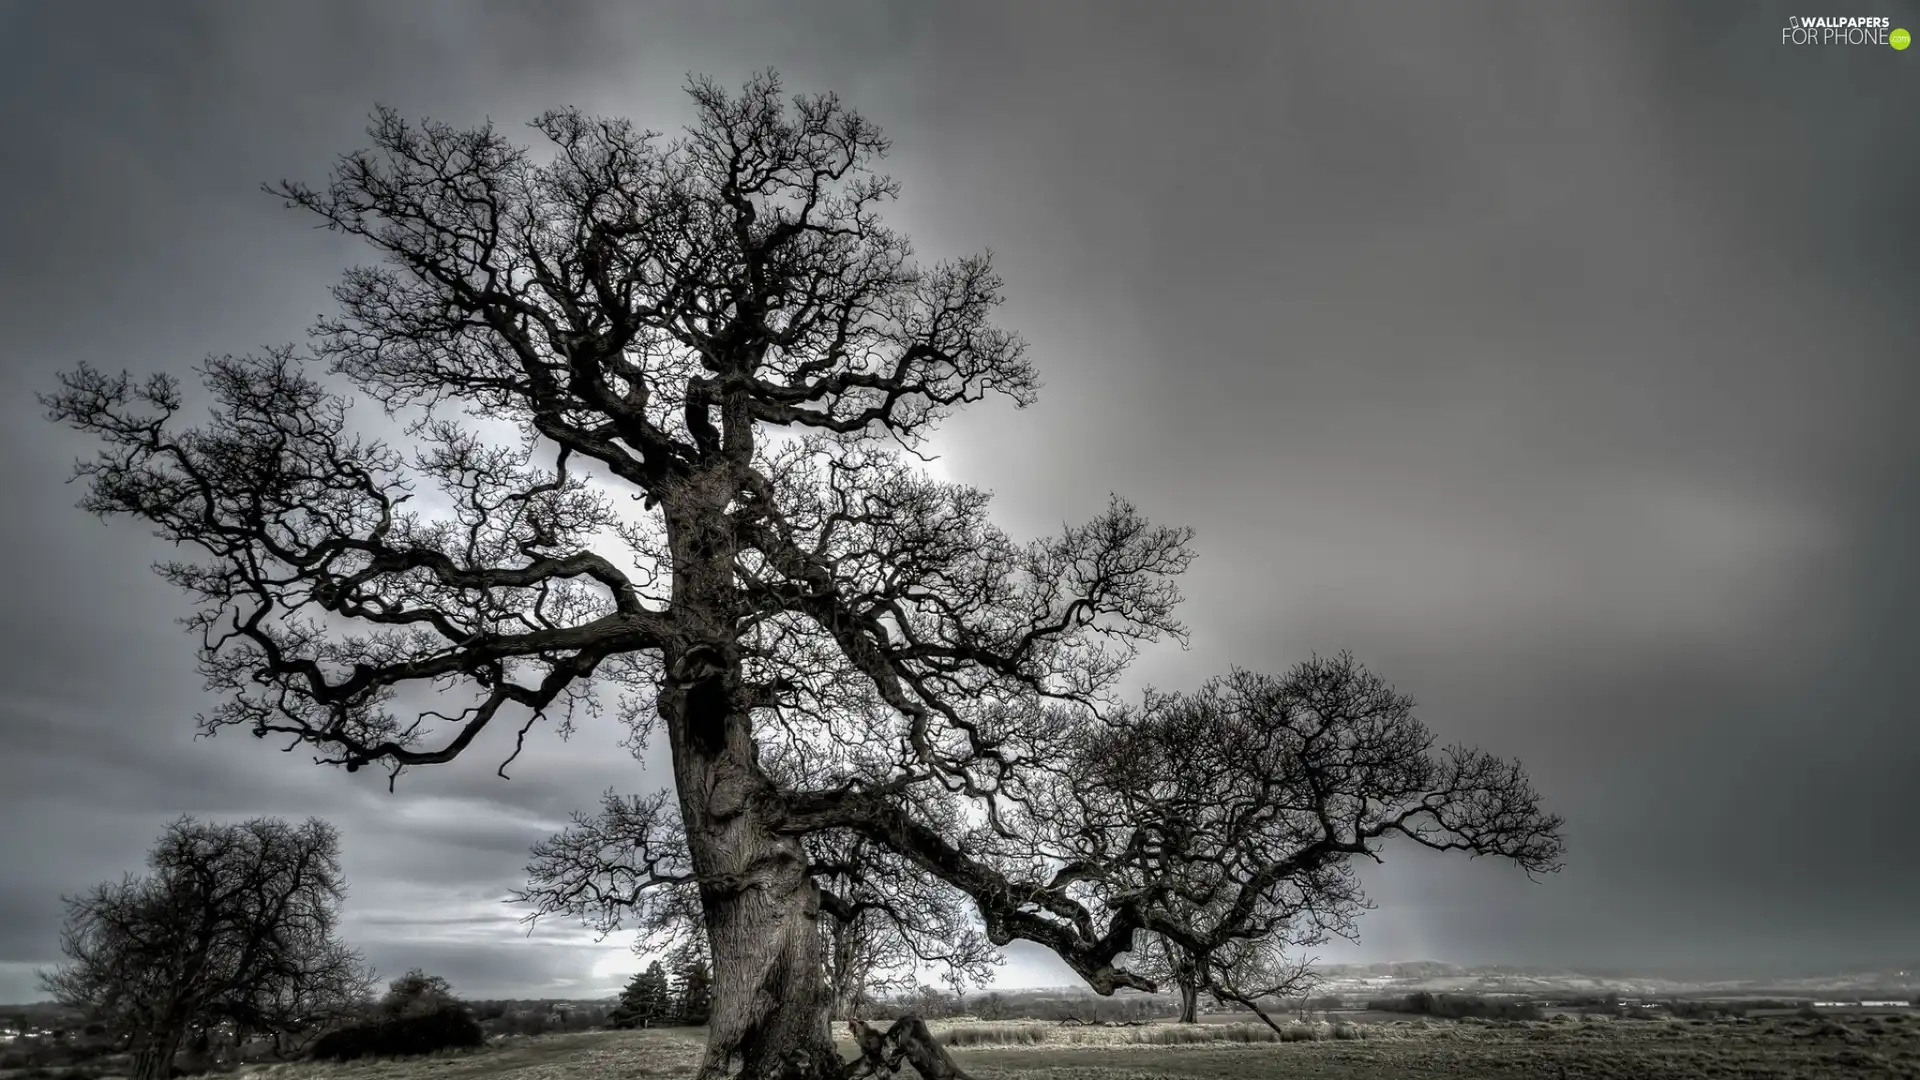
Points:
(39, 1009)
(1407, 976)
(1385, 979)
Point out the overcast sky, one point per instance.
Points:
(1556, 359)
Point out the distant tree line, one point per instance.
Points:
(1685, 1009)
(513, 1017)
(1457, 1007)
(930, 1002)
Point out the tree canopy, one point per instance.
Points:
(1239, 811)
(415, 993)
(646, 999)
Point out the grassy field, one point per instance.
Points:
(1857, 1047)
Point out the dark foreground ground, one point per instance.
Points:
(1780, 1048)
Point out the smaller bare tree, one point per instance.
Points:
(1168, 965)
(1238, 812)
(883, 919)
(235, 924)
(1241, 970)
(888, 922)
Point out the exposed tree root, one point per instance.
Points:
(908, 1040)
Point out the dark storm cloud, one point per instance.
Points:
(1551, 358)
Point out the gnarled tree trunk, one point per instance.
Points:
(770, 1001)
(770, 995)
(844, 996)
(909, 1041)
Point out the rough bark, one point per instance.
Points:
(762, 910)
(770, 1006)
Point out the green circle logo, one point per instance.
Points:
(1899, 39)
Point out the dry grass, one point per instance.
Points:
(1856, 1048)
(1860, 1049)
(993, 1034)
(1031, 1033)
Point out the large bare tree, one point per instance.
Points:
(235, 924)
(719, 328)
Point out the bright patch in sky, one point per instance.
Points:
(620, 962)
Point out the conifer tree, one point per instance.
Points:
(692, 983)
(647, 1000)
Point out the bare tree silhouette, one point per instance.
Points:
(720, 328)
(235, 924)
(1240, 808)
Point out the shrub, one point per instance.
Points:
(416, 994)
(1832, 1031)
(40, 1053)
(445, 1028)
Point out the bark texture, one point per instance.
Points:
(771, 1002)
